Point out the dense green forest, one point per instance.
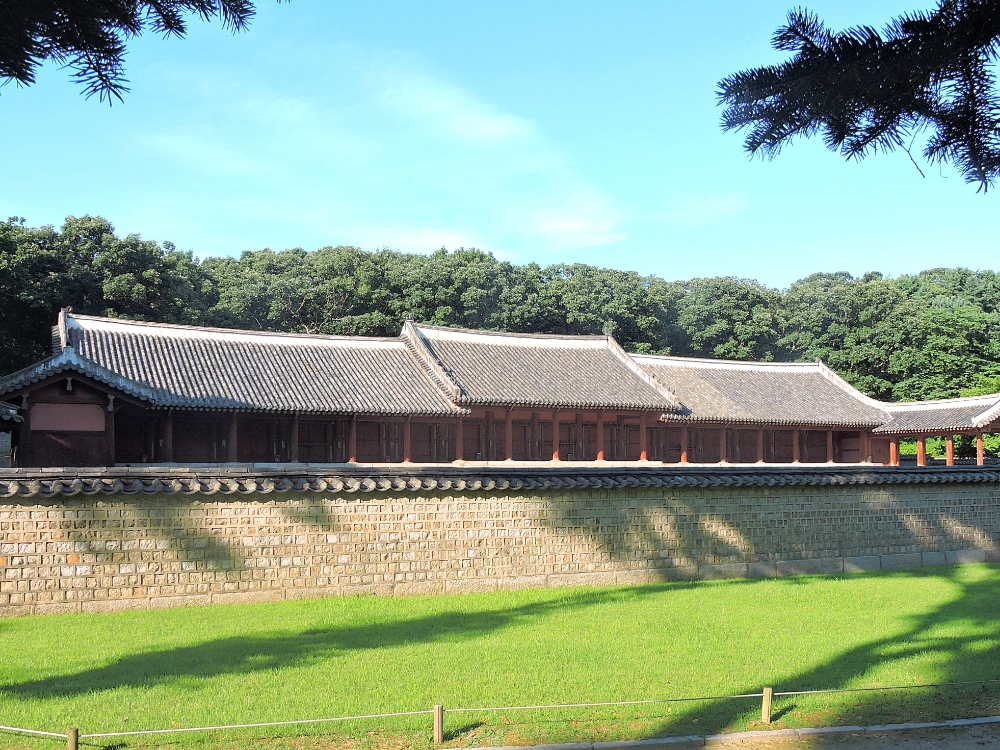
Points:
(932, 335)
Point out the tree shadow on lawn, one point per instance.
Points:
(963, 636)
(244, 654)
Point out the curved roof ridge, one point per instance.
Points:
(957, 402)
(66, 320)
(837, 380)
(472, 333)
(68, 359)
(722, 363)
(430, 364)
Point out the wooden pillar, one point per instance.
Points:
(555, 435)
(508, 434)
(600, 435)
(643, 438)
(109, 434)
(866, 448)
(231, 444)
(949, 443)
(489, 449)
(980, 450)
(621, 447)
(723, 448)
(829, 446)
(293, 439)
(352, 440)
(535, 449)
(684, 444)
(894, 451)
(406, 441)
(580, 450)
(168, 437)
(760, 445)
(460, 440)
(921, 451)
(796, 454)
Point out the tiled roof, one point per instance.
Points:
(8, 412)
(967, 413)
(387, 479)
(581, 372)
(205, 368)
(750, 392)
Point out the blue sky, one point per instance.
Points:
(548, 132)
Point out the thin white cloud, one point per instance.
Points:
(694, 211)
(385, 155)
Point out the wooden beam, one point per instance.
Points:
(796, 451)
(643, 438)
(352, 440)
(723, 447)
(489, 447)
(231, 443)
(949, 444)
(980, 450)
(829, 446)
(460, 440)
(684, 444)
(760, 445)
(293, 439)
(580, 450)
(406, 441)
(600, 435)
(921, 451)
(508, 434)
(894, 451)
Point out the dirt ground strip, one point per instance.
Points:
(957, 738)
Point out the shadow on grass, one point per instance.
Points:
(962, 635)
(253, 653)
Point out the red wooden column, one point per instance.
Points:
(406, 441)
(581, 443)
(508, 432)
(796, 455)
(293, 439)
(231, 440)
(535, 445)
(460, 440)
(489, 442)
(643, 438)
(866, 449)
(829, 446)
(980, 450)
(949, 444)
(352, 441)
(723, 448)
(760, 445)
(168, 437)
(894, 451)
(684, 444)
(600, 435)
(921, 451)
(555, 435)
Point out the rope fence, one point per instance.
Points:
(73, 735)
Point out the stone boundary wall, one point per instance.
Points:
(106, 550)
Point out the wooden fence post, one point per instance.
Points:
(765, 706)
(438, 724)
(72, 739)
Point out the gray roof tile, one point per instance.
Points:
(958, 414)
(203, 368)
(750, 392)
(8, 412)
(581, 372)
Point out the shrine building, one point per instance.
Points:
(119, 392)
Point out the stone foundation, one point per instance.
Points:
(113, 551)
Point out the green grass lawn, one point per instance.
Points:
(336, 657)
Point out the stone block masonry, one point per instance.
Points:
(113, 551)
